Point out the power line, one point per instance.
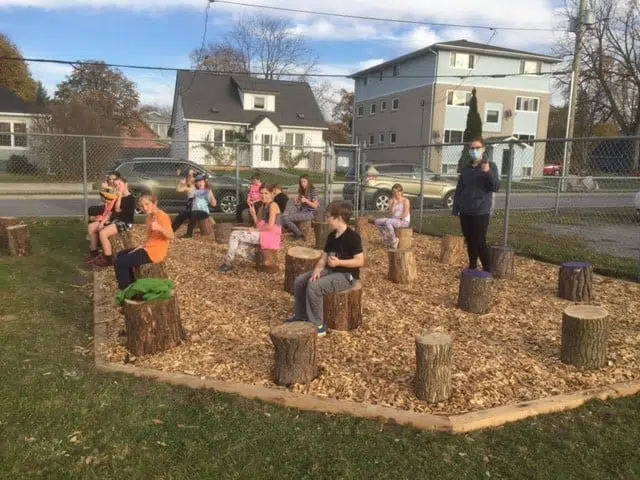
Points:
(202, 44)
(389, 20)
(258, 74)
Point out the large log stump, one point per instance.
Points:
(322, 231)
(205, 226)
(475, 291)
(502, 261)
(298, 260)
(266, 260)
(405, 237)
(223, 232)
(343, 310)
(434, 355)
(4, 223)
(121, 241)
(154, 326)
(574, 281)
(402, 266)
(151, 270)
(295, 352)
(305, 228)
(19, 240)
(452, 250)
(585, 332)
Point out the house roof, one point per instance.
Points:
(463, 46)
(210, 97)
(505, 139)
(12, 103)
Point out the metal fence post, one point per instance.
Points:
(508, 195)
(237, 175)
(326, 175)
(423, 160)
(85, 192)
(356, 189)
(363, 158)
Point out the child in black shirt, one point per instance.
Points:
(337, 269)
(280, 197)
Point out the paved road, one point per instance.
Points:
(56, 206)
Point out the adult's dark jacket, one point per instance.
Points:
(474, 190)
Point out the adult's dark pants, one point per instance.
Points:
(125, 263)
(474, 230)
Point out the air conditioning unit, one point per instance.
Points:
(508, 113)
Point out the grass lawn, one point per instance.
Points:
(60, 419)
(17, 178)
(536, 243)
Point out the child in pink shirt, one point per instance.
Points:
(253, 198)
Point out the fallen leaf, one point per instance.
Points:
(157, 421)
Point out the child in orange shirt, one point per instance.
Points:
(159, 234)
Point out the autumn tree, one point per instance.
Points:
(42, 97)
(265, 46)
(15, 74)
(343, 111)
(337, 133)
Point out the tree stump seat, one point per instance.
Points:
(222, 232)
(405, 237)
(402, 266)
(585, 333)
(452, 250)
(298, 260)
(575, 281)
(295, 352)
(502, 261)
(19, 240)
(206, 226)
(305, 227)
(474, 295)
(6, 222)
(266, 260)
(434, 357)
(321, 231)
(151, 270)
(343, 310)
(121, 241)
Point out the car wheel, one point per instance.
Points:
(228, 203)
(447, 202)
(381, 201)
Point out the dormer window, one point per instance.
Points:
(258, 103)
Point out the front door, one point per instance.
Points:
(266, 148)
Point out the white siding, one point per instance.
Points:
(198, 132)
(259, 148)
(179, 147)
(313, 142)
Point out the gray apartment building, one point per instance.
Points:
(422, 98)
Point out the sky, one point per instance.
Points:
(164, 32)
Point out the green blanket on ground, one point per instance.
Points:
(147, 289)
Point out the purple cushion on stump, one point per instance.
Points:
(576, 265)
(476, 273)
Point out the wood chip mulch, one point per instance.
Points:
(506, 356)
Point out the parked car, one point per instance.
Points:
(380, 177)
(160, 176)
(554, 170)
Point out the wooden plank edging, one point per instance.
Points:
(455, 424)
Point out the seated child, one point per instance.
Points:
(337, 269)
(400, 209)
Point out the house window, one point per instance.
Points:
(493, 116)
(266, 148)
(453, 136)
(258, 103)
(383, 106)
(458, 98)
(372, 109)
(394, 104)
(380, 76)
(392, 138)
(525, 138)
(526, 104)
(364, 81)
(220, 137)
(16, 141)
(461, 60)
(372, 140)
(396, 71)
(360, 110)
(526, 171)
(5, 140)
(20, 140)
(381, 139)
(529, 67)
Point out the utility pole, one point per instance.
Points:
(579, 23)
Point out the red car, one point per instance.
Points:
(552, 170)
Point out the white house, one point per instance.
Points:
(264, 123)
(16, 116)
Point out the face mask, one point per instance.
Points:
(476, 155)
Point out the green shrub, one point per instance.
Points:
(18, 164)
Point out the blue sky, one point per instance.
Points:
(163, 32)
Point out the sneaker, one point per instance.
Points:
(292, 319)
(102, 261)
(224, 268)
(92, 257)
(395, 243)
(322, 330)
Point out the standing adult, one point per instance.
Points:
(473, 201)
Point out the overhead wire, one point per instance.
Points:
(201, 50)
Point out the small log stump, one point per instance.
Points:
(266, 260)
(585, 333)
(475, 291)
(153, 327)
(452, 250)
(502, 261)
(121, 241)
(402, 266)
(223, 232)
(205, 226)
(574, 281)
(305, 228)
(4, 223)
(405, 237)
(298, 260)
(343, 310)
(322, 231)
(295, 352)
(434, 356)
(151, 270)
(19, 240)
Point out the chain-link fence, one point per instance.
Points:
(559, 199)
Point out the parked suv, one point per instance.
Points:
(380, 177)
(160, 176)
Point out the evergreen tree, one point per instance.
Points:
(472, 130)
(42, 97)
